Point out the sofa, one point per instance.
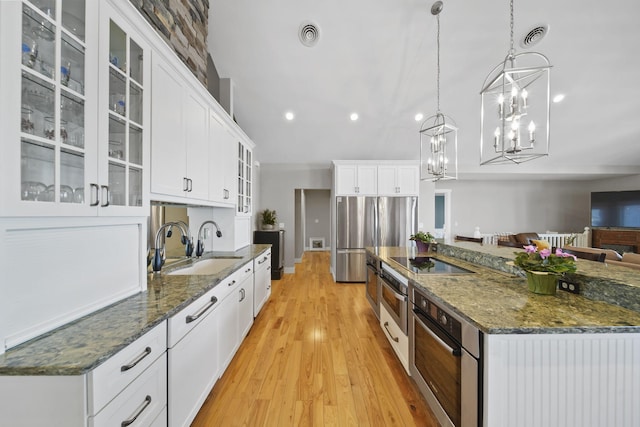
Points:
(518, 240)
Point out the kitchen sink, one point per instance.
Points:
(206, 267)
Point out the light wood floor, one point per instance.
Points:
(315, 356)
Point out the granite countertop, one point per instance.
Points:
(499, 302)
(82, 345)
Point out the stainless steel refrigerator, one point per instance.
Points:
(370, 221)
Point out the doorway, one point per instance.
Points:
(442, 213)
(312, 220)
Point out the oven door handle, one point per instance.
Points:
(429, 326)
(398, 296)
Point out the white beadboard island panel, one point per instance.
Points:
(563, 380)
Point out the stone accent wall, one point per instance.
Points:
(183, 24)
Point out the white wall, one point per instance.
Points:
(426, 206)
(631, 182)
(278, 183)
(518, 206)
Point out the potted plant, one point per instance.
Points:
(268, 219)
(423, 240)
(543, 267)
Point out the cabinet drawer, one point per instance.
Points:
(188, 318)
(141, 402)
(243, 272)
(180, 324)
(391, 331)
(108, 379)
(263, 260)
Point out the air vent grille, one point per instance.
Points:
(534, 36)
(309, 34)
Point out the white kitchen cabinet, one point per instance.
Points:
(398, 340)
(110, 378)
(356, 180)
(124, 117)
(133, 381)
(398, 180)
(262, 281)
(245, 179)
(230, 330)
(58, 163)
(180, 127)
(245, 306)
(48, 86)
(192, 355)
(141, 402)
(196, 120)
(222, 167)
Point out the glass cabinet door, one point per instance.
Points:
(244, 179)
(52, 104)
(125, 110)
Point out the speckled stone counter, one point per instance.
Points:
(614, 284)
(84, 344)
(499, 302)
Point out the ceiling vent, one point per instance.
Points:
(534, 36)
(309, 34)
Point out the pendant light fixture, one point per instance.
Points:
(515, 108)
(438, 133)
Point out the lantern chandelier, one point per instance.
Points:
(514, 114)
(438, 133)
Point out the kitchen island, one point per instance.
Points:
(564, 360)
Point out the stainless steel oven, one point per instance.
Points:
(445, 360)
(373, 286)
(394, 296)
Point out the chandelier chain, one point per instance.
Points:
(438, 62)
(512, 51)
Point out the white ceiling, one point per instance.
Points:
(378, 58)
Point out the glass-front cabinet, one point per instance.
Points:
(125, 106)
(74, 78)
(244, 179)
(48, 78)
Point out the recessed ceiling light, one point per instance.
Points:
(558, 98)
(289, 115)
(353, 117)
(419, 117)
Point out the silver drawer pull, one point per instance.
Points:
(192, 317)
(247, 270)
(263, 260)
(386, 326)
(231, 283)
(145, 353)
(147, 402)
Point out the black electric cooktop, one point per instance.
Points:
(428, 265)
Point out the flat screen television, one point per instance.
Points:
(620, 209)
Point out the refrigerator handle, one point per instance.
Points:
(376, 223)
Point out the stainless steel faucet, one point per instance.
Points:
(200, 244)
(186, 239)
